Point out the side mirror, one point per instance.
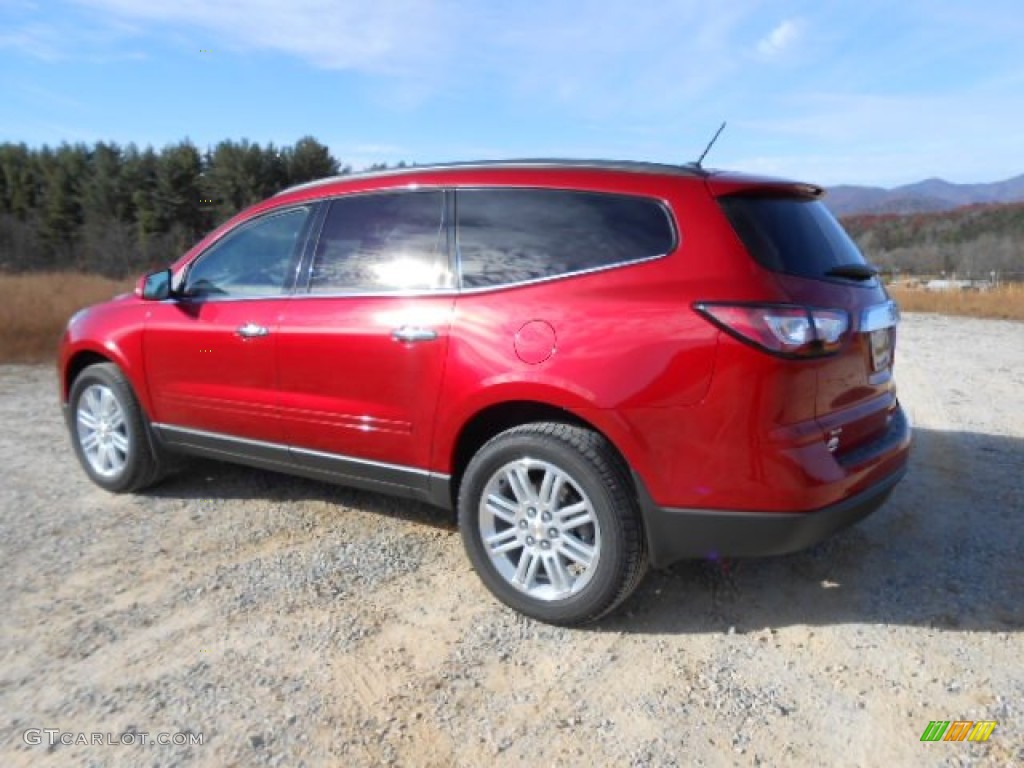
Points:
(155, 286)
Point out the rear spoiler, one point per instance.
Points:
(722, 185)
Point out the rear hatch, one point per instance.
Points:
(789, 232)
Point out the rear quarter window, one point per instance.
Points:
(795, 236)
(508, 236)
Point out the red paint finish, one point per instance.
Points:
(703, 419)
(347, 386)
(203, 375)
(112, 331)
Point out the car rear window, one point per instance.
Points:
(508, 236)
(795, 236)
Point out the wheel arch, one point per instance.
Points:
(77, 363)
(81, 357)
(496, 418)
(144, 464)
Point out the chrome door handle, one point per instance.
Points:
(252, 331)
(409, 333)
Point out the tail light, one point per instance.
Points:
(781, 329)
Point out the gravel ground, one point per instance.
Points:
(293, 623)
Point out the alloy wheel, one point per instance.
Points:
(539, 529)
(102, 430)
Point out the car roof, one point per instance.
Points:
(626, 166)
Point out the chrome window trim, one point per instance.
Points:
(226, 299)
(564, 275)
(378, 294)
(483, 289)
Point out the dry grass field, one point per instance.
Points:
(1005, 302)
(35, 307)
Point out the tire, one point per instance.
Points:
(110, 433)
(550, 523)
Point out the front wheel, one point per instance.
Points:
(550, 523)
(109, 431)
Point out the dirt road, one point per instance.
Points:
(293, 623)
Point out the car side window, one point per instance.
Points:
(383, 242)
(254, 260)
(508, 236)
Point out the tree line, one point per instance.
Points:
(977, 242)
(119, 210)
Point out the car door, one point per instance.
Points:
(363, 351)
(210, 350)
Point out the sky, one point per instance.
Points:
(859, 92)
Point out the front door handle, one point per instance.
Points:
(409, 333)
(252, 331)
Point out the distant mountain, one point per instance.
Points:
(922, 197)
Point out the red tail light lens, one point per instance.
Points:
(782, 329)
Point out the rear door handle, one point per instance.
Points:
(409, 333)
(252, 331)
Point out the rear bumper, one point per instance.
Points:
(677, 534)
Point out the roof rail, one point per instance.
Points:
(628, 166)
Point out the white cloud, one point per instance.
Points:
(39, 41)
(780, 39)
(471, 78)
(60, 41)
(592, 61)
(600, 56)
(397, 37)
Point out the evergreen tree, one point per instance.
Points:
(309, 160)
(20, 182)
(105, 194)
(230, 182)
(179, 189)
(119, 210)
(64, 173)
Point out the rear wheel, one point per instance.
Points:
(550, 523)
(109, 431)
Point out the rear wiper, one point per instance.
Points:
(856, 270)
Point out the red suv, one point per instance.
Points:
(598, 365)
